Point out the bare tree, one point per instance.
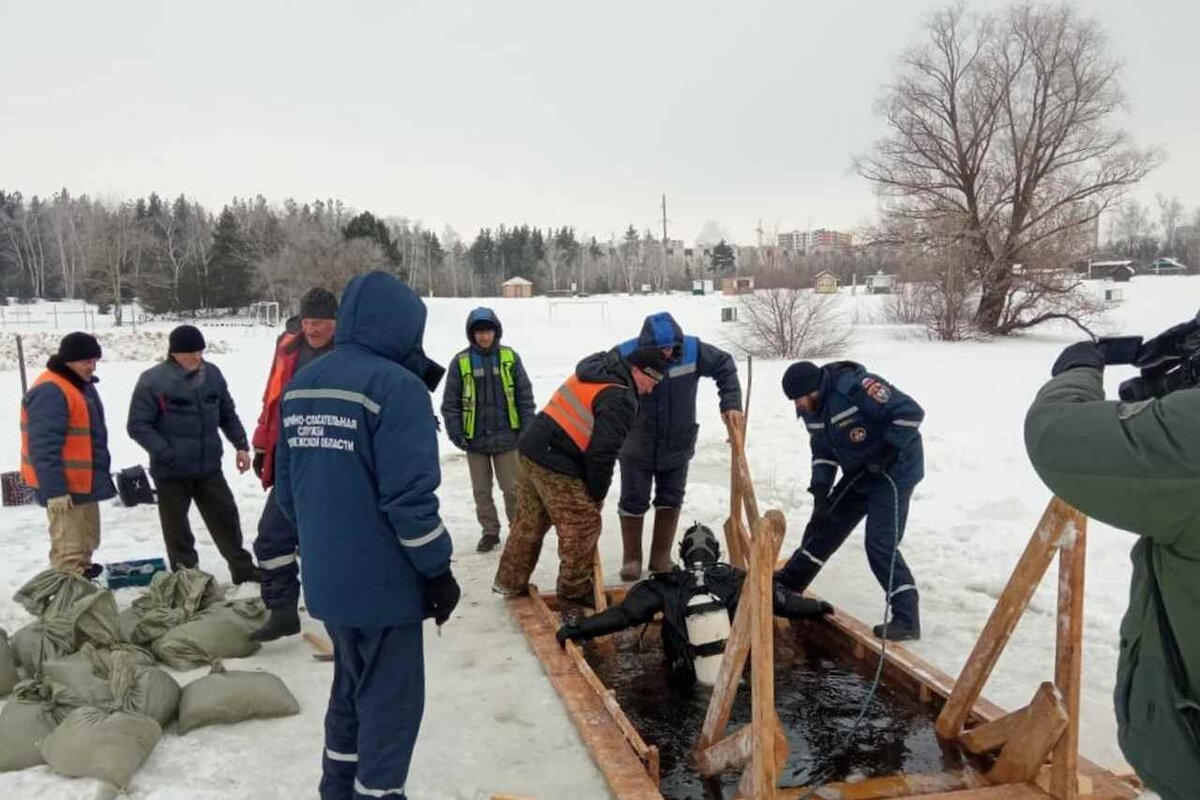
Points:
(1134, 230)
(1000, 147)
(1170, 212)
(790, 323)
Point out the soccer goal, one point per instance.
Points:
(586, 310)
(265, 313)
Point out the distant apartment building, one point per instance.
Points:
(820, 239)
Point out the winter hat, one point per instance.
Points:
(78, 346)
(648, 358)
(186, 339)
(318, 303)
(802, 378)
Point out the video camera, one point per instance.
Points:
(1168, 362)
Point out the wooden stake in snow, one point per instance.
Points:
(21, 365)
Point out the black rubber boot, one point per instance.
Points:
(896, 631)
(487, 543)
(282, 622)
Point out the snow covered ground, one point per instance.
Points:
(492, 721)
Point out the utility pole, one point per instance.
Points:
(664, 221)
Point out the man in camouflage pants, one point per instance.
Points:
(566, 465)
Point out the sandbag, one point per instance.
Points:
(31, 646)
(228, 697)
(144, 627)
(92, 618)
(144, 688)
(34, 710)
(103, 657)
(104, 743)
(8, 665)
(220, 631)
(188, 590)
(78, 673)
(53, 590)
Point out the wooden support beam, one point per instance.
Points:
(1003, 621)
(1034, 738)
(598, 597)
(1068, 663)
(892, 786)
(991, 736)
(757, 590)
(732, 752)
(737, 438)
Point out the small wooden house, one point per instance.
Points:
(516, 287)
(825, 282)
(740, 285)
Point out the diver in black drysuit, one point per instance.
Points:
(689, 598)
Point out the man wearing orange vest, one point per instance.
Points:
(566, 467)
(304, 340)
(64, 452)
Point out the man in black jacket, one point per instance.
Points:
(567, 459)
(179, 409)
(703, 585)
(488, 401)
(663, 440)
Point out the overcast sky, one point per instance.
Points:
(473, 114)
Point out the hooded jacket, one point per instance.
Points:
(664, 433)
(493, 431)
(547, 444)
(1136, 466)
(357, 463)
(178, 417)
(863, 419)
(48, 418)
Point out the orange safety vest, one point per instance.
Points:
(77, 447)
(571, 408)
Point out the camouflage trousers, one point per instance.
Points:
(546, 498)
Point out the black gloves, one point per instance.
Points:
(1080, 354)
(259, 458)
(441, 597)
(820, 501)
(460, 442)
(565, 632)
(887, 457)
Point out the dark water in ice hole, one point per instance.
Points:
(817, 696)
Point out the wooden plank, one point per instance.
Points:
(732, 752)
(737, 438)
(1014, 791)
(624, 772)
(606, 695)
(1033, 739)
(991, 736)
(598, 597)
(891, 786)
(1083, 783)
(1003, 620)
(1068, 662)
(762, 664)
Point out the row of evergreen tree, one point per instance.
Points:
(179, 257)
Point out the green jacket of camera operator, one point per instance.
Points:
(1136, 466)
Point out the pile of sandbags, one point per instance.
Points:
(95, 700)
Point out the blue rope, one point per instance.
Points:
(823, 775)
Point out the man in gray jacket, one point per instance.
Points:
(178, 411)
(487, 403)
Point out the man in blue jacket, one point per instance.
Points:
(869, 429)
(663, 440)
(357, 472)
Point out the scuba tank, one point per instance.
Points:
(707, 622)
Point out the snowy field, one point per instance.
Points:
(492, 721)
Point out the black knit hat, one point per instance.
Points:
(648, 358)
(802, 378)
(318, 303)
(186, 339)
(78, 346)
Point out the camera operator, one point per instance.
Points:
(1135, 464)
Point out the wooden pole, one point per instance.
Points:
(1040, 730)
(1068, 664)
(599, 598)
(1003, 621)
(21, 366)
(762, 661)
